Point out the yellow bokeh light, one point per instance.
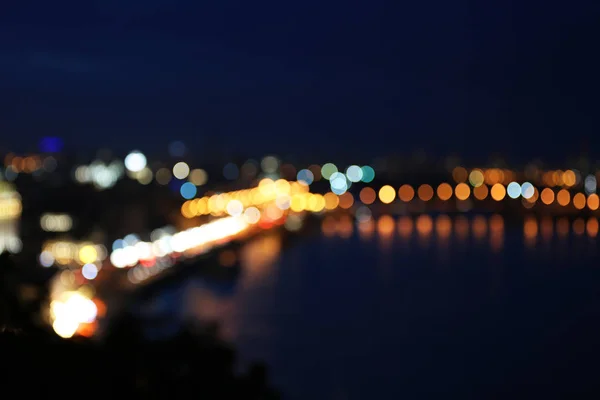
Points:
(266, 188)
(462, 191)
(316, 203)
(88, 254)
(387, 194)
(298, 203)
(282, 187)
(476, 178)
(498, 192)
(331, 201)
(186, 210)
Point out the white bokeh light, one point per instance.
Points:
(135, 161)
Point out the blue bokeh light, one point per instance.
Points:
(306, 176)
(51, 145)
(188, 190)
(368, 174)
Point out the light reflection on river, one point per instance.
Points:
(9, 236)
(345, 313)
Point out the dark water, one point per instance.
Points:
(427, 307)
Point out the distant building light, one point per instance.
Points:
(56, 222)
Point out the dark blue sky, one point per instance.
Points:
(339, 77)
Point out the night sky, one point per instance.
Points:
(352, 78)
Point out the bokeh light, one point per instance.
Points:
(328, 169)
(188, 190)
(198, 177)
(181, 170)
(425, 192)
(406, 193)
(368, 174)
(513, 190)
(306, 176)
(498, 192)
(387, 194)
(135, 161)
(444, 191)
(354, 173)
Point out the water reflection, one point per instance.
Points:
(479, 227)
(496, 232)
(461, 226)
(579, 226)
(546, 228)
(10, 212)
(424, 225)
(345, 226)
(9, 236)
(366, 229)
(405, 226)
(530, 231)
(562, 227)
(257, 258)
(592, 227)
(458, 230)
(204, 302)
(386, 226)
(443, 226)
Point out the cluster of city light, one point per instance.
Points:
(69, 254)
(131, 251)
(23, 164)
(279, 192)
(340, 182)
(101, 175)
(138, 169)
(387, 194)
(10, 202)
(71, 311)
(569, 178)
(56, 222)
(477, 176)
